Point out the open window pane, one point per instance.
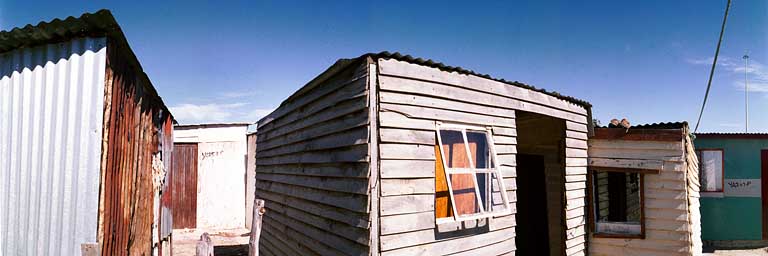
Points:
(617, 202)
(467, 184)
(442, 197)
(454, 149)
(495, 201)
(479, 150)
(464, 194)
(711, 170)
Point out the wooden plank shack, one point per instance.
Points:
(663, 155)
(351, 163)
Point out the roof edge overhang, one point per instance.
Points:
(342, 64)
(731, 135)
(640, 134)
(98, 24)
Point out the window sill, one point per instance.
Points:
(712, 194)
(622, 236)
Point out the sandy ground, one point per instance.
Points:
(235, 242)
(225, 241)
(750, 252)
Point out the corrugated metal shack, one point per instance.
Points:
(387, 154)
(84, 143)
(208, 176)
(644, 191)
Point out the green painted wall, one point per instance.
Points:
(733, 218)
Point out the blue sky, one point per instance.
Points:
(647, 61)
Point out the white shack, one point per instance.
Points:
(387, 154)
(644, 191)
(208, 176)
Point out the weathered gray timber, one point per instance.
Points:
(664, 152)
(347, 164)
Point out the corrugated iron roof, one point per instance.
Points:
(343, 63)
(447, 68)
(99, 24)
(662, 125)
(732, 135)
(211, 125)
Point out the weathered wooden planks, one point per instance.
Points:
(313, 164)
(404, 69)
(411, 103)
(667, 216)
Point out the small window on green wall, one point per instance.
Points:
(711, 169)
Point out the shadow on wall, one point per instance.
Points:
(231, 250)
(465, 228)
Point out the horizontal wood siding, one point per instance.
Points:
(412, 98)
(668, 229)
(313, 168)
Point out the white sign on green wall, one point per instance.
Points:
(742, 188)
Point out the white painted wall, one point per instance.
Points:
(220, 174)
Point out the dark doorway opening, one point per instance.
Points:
(532, 231)
(540, 185)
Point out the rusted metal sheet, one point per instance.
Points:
(184, 185)
(51, 103)
(134, 157)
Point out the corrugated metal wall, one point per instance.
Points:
(138, 136)
(51, 110)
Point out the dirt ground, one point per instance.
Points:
(731, 252)
(232, 242)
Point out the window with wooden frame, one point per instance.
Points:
(711, 169)
(617, 203)
(468, 183)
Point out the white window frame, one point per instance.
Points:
(700, 155)
(472, 170)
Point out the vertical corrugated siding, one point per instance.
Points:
(51, 110)
(137, 130)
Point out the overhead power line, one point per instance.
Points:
(714, 63)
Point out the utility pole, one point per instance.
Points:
(746, 92)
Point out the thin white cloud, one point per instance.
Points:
(238, 94)
(757, 73)
(258, 113)
(191, 113)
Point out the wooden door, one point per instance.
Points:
(183, 180)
